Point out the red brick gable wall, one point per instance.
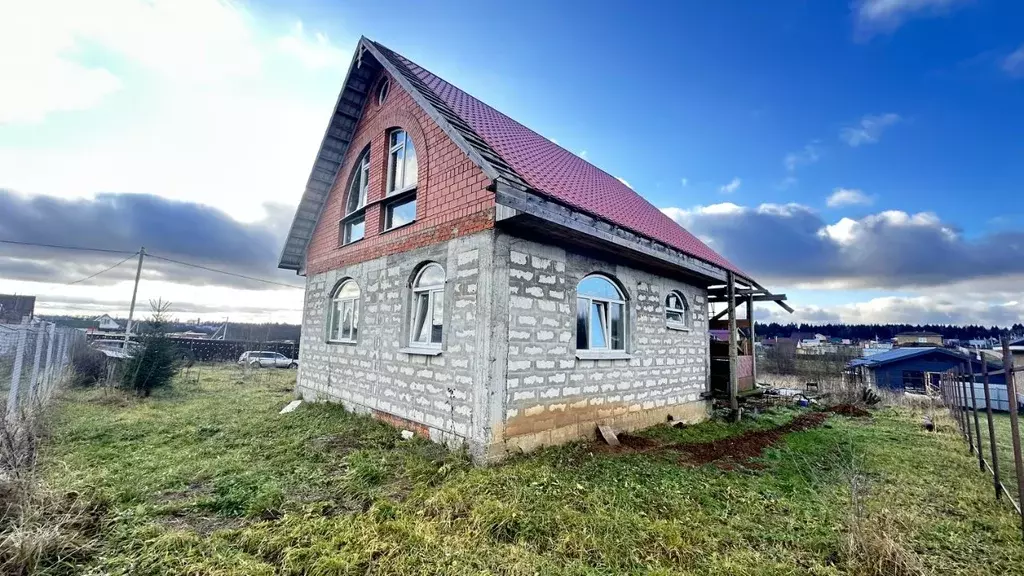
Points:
(451, 197)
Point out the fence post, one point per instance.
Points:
(13, 393)
(1011, 390)
(974, 412)
(962, 383)
(51, 333)
(991, 427)
(958, 396)
(37, 356)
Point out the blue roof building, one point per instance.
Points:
(910, 369)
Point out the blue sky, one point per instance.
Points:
(905, 113)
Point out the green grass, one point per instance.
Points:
(208, 478)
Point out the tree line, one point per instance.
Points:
(885, 331)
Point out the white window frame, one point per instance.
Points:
(434, 292)
(337, 314)
(684, 311)
(404, 146)
(604, 318)
(360, 178)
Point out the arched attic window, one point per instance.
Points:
(600, 314)
(403, 173)
(353, 224)
(677, 310)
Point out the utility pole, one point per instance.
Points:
(135, 291)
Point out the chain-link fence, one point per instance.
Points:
(34, 358)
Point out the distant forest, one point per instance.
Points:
(883, 331)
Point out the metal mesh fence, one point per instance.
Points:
(34, 358)
(986, 412)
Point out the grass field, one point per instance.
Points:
(208, 478)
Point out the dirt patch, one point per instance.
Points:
(728, 453)
(747, 445)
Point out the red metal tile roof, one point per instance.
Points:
(563, 176)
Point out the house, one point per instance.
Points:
(106, 323)
(910, 369)
(472, 281)
(918, 339)
(14, 308)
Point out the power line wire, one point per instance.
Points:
(225, 272)
(63, 247)
(91, 276)
(133, 254)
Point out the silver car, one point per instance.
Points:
(263, 359)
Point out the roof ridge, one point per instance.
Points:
(563, 148)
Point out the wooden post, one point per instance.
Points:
(753, 340)
(1011, 391)
(974, 412)
(991, 426)
(967, 416)
(734, 376)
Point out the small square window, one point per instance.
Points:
(400, 214)
(354, 229)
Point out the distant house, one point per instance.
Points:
(13, 308)
(911, 368)
(106, 323)
(918, 339)
(472, 281)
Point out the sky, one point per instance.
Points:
(864, 158)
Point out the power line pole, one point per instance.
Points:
(135, 291)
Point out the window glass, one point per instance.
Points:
(599, 287)
(676, 308)
(382, 93)
(360, 183)
(431, 275)
(355, 229)
(600, 315)
(411, 170)
(403, 165)
(420, 326)
(427, 325)
(345, 312)
(400, 214)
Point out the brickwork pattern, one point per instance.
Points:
(551, 395)
(451, 198)
(374, 374)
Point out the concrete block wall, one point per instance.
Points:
(434, 395)
(551, 395)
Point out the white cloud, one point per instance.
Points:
(887, 15)
(314, 51)
(731, 187)
(808, 155)
(869, 129)
(623, 180)
(583, 154)
(848, 197)
(685, 182)
(1013, 64)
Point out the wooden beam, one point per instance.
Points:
(756, 298)
(753, 339)
(734, 376)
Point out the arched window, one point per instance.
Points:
(383, 90)
(677, 311)
(427, 326)
(344, 324)
(403, 171)
(353, 225)
(600, 315)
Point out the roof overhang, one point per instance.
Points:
(340, 130)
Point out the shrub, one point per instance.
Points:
(89, 365)
(156, 363)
